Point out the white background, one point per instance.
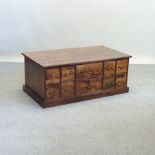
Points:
(125, 25)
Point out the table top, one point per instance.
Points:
(73, 56)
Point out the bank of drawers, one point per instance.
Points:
(109, 74)
(121, 73)
(66, 82)
(60, 81)
(89, 78)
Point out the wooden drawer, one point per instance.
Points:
(52, 91)
(109, 69)
(88, 86)
(89, 70)
(52, 75)
(71, 75)
(122, 66)
(121, 80)
(67, 74)
(67, 89)
(108, 83)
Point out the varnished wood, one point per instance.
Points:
(52, 91)
(109, 69)
(73, 56)
(52, 75)
(67, 89)
(109, 83)
(122, 66)
(51, 82)
(88, 86)
(67, 74)
(89, 70)
(47, 103)
(34, 77)
(121, 80)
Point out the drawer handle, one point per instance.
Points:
(52, 76)
(120, 75)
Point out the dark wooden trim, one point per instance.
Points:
(115, 73)
(45, 82)
(80, 63)
(86, 62)
(34, 77)
(75, 80)
(34, 61)
(60, 82)
(127, 73)
(25, 69)
(30, 92)
(102, 75)
(49, 103)
(42, 77)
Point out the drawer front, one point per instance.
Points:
(67, 74)
(89, 70)
(88, 86)
(122, 66)
(67, 89)
(108, 83)
(52, 75)
(52, 91)
(121, 80)
(109, 69)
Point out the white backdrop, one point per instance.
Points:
(125, 25)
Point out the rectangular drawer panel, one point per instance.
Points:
(121, 80)
(52, 91)
(108, 83)
(89, 70)
(67, 74)
(122, 66)
(67, 89)
(52, 75)
(109, 69)
(88, 86)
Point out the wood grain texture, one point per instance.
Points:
(52, 91)
(62, 84)
(67, 89)
(67, 74)
(88, 86)
(122, 66)
(121, 80)
(34, 77)
(109, 69)
(52, 75)
(109, 83)
(89, 70)
(73, 56)
(48, 103)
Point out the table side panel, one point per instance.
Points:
(34, 77)
(69, 82)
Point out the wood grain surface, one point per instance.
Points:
(86, 78)
(82, 55)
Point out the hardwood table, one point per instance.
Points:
(57, 77)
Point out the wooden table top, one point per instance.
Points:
(72, 56)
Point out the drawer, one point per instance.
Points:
(52, 91)
(123, 62)
(67, 74)
(67, 89)
(108, 83)
(52, 75)
(121, 80)
(89, 70)
(109, 69)
(122, 66)
(88, 86)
